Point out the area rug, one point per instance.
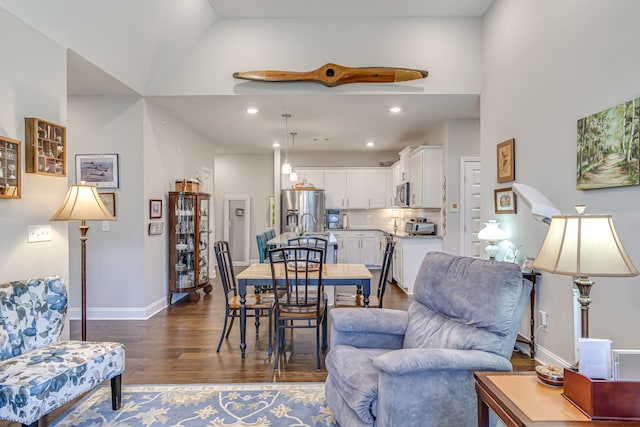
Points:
(204, 405)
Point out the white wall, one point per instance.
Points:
(154, 150)
(245, 175)
(450, 48)
(30, 89)
(547, 64)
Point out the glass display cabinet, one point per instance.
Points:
(188, 244)
(9, 168)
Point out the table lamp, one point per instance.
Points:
(492, 233)
(581, 246)
(83, 204)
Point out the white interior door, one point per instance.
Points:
(236, 228)
(471, 180)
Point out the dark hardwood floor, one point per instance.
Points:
(178, 346)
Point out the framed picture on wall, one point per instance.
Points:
(100, 170)
(155, 208)
(506, 161)
(109, 201)
(156, 228)
(505, 201)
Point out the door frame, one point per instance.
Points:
(465, 232)
(247, 225)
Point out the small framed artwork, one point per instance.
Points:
(527, 265)
(155, 208)
(109, 201)
(505, 201)
(156, 228)
(506, 161)
(100, 170)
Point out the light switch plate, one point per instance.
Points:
(38, 233)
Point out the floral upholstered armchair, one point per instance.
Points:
(415, 368)
(37, 372)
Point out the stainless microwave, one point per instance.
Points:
(402, 195)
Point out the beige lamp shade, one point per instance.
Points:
(82, 203)
(584, 245)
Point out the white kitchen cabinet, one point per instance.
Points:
(355, 188)
(426, 177)
(360, 247)
(408, 256)
(376, 188)
(356, 182)
(405, 164)
(335, 189)
(393, 180)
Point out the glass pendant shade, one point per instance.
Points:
(286, 167)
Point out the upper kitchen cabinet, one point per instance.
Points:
(393, 180)
(426, 177)
(355, 188)
(405, 165)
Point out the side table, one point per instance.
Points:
(519, 399)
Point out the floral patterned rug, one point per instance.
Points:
(204, 405)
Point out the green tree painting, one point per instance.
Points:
(608, 147)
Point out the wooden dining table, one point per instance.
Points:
(332, 275)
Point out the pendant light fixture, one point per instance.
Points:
(293, 176)
(286, 166)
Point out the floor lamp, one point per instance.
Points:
(83, 204)
(582, 246)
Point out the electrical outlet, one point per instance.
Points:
(38, 233)
(543, 318)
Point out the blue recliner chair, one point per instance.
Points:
(395, 368)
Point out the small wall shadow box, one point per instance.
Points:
(603, 399)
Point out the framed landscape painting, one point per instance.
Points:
(608, 147)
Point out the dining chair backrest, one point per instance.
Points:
(263, 252)
(225, 268)
(387, 260)
(271, 233)
(311, 242)
(296, 274)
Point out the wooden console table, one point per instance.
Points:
(532, 277)
(519, 399)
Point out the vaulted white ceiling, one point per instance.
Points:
(125, 47)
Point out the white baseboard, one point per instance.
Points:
(119, 313)
(543, 356)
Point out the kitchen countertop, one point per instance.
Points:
(283, 239)
(400, 234)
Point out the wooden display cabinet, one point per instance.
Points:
(9, 168)
(189, 244)
(45, 147)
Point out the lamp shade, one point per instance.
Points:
(82, 203)
(584, 245)
(492, 232)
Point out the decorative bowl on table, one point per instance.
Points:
(550, 375)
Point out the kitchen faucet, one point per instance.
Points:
(303, 223)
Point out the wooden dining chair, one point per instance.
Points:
(258, 305)
(311, 242)
(296, 274)
(357, 300)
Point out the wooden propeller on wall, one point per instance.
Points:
(334, 75)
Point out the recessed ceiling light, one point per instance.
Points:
(395, 109)
(276, 145)
(252, 110)
(370, 144)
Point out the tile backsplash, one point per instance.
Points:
(383, 218)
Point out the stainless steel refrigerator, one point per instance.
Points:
(302, 209)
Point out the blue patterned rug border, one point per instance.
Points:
(211, 405)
